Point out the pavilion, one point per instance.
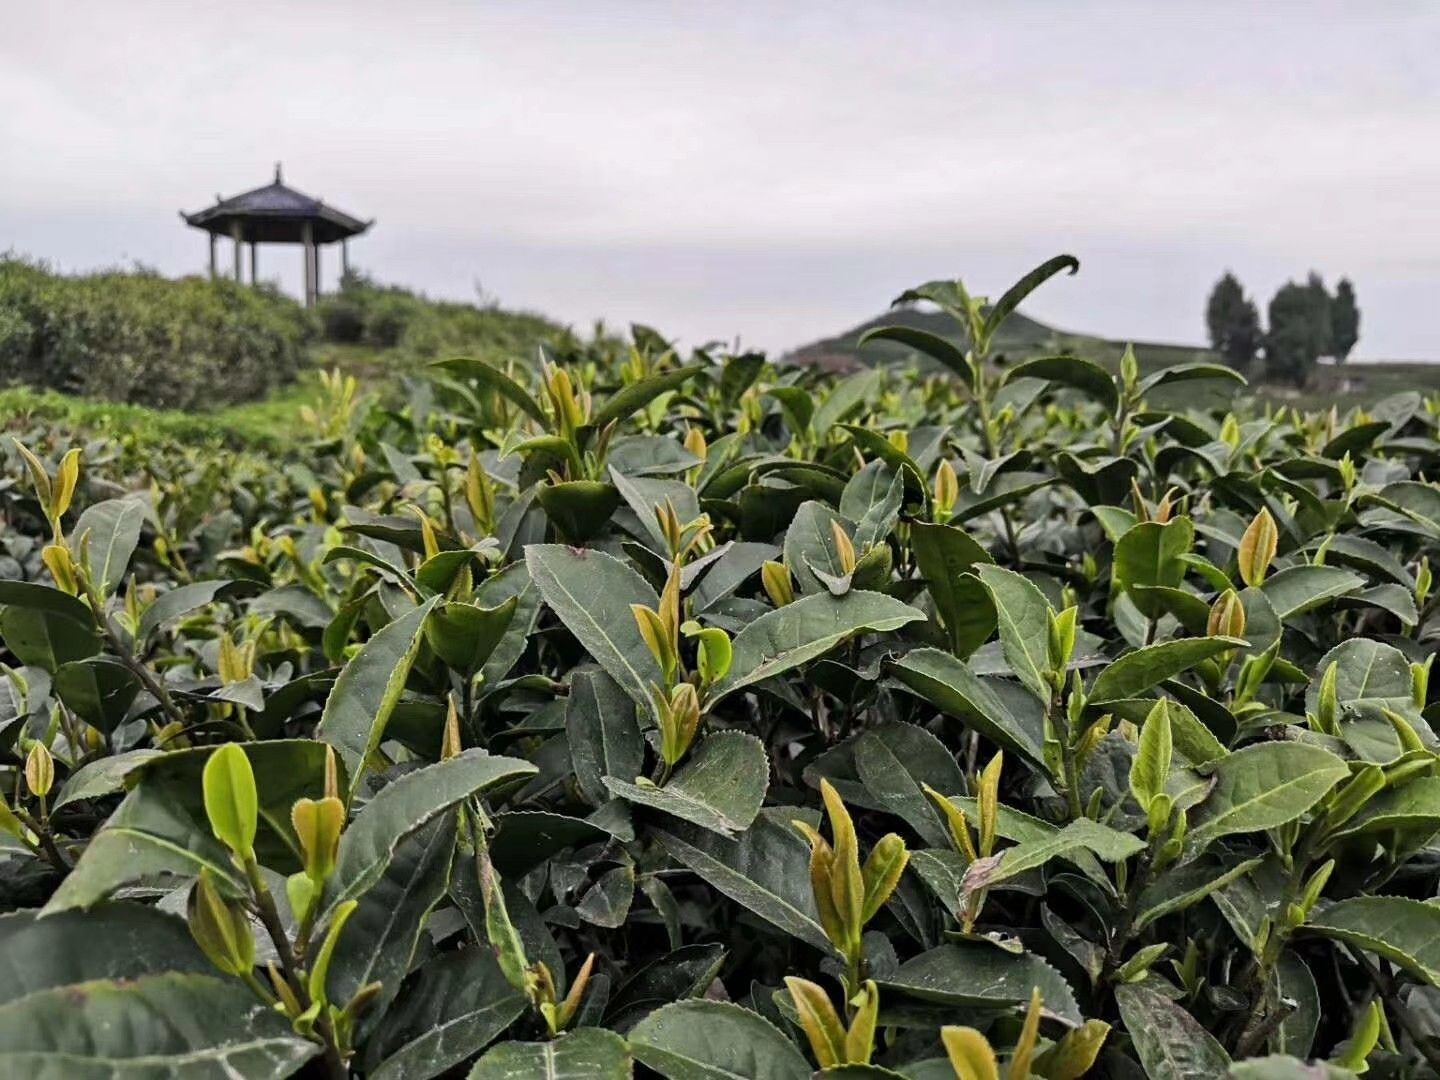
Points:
(277, 214)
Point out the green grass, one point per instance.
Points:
(272, 423)
(267, 424)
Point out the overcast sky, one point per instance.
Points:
(773, 171)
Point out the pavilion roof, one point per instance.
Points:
(277, 213)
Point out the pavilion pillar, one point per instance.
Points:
(345, 258)
(213, 271)
(254, 263)
(239, 249)
(308, 236)
(318, 249)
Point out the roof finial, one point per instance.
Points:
(278, 180)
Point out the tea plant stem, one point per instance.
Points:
(67, 722)
(467, 721)
(1263, 1025)
(1261, 967)
(127, 657)
(46, 836)
(1072, 785)
(270, 919)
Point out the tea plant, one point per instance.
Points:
(630, 716)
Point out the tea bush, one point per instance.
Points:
(139, 338)
(364, 312)
(701, 717)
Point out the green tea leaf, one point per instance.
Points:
(721, 787)
(765, 870)
(113, 528)
(1140, 669)
(1083, 375)
(368, 689)
(714, 1040)
(1102, 841)
(382, 934)
(110, 941)
(971, 974)
(591, 593)
(800, 632)
(894, 760)
(951, 686)
(492, 378)
(174, 1025)
(1024, 618)
(603, 733)
(946, 556)
(406, 804)
(1403, 931)
(1298, 589)
(457, 1005)
(1171, 1044)
(587, 1054)
(1150, 554)
(922, 341)
(1263, 787)
(1151, 768)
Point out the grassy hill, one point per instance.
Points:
(131, 352)
(1023, 336)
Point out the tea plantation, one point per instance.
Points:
(629, 713)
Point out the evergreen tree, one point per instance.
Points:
(1344, 321)
(1295, 338)
(1320, 303)
(1233, 322)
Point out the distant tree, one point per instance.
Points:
(1344, 321)
(1296, 338)
(1320, 304)
(1234, 323)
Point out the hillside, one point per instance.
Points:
(1023, 336)
(1020, 336)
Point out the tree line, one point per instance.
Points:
(1306, 321)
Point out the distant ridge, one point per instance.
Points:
(1021, 336)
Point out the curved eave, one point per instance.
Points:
(278, 227)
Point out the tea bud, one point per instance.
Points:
(775, 576)
(318, 824)
(1257, 548)
(1227, 616)
(220, 928)
(231, 803)
(39, 770)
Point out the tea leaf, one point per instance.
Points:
(1024, 616)
(700, 1040)
(1140, 669)
(951, 686)
(1170, 1043)
(721, 787)
(800, 632)
(458, 1004)
(1263, 787)
(1403, 931)
(368, 689)
(186, 1024)
(404, 806)
(592, 1053)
